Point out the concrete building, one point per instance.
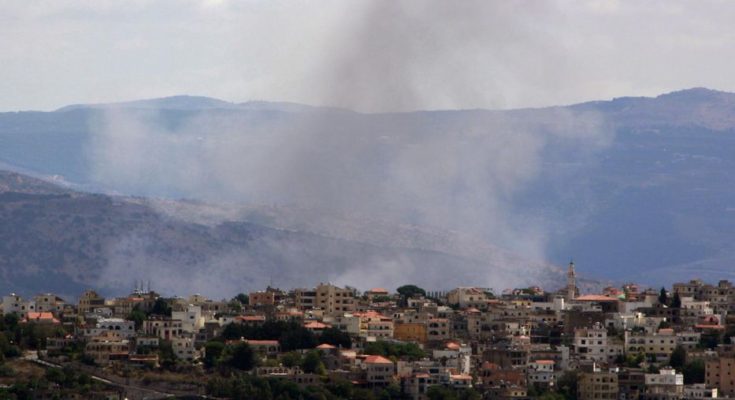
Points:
(191, 318)
(541, 373)
(592, 344)
(720, 373)
(598, 384)
(379, 370)
(410, 332)
(667, 384)
(116, 327)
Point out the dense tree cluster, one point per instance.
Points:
(410, 351)
(16, 336)
(291, 335)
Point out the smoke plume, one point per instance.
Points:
(456, 172)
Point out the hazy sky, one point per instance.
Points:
(468, 54)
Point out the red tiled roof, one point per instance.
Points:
(377, 360)
(40, 317)
(325, 346)
(316, 325)
(452, 346)
(707, 326)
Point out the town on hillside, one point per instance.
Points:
(331, 342)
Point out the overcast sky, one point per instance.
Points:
(366, 55)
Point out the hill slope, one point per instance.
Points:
(52, 239)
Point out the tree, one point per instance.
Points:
(398, 350)
(693, 372)
(336, 337)
(166, 353)
(161, 307)
(212, 352)
(567, 385)
(235, 306)
(243, 299)
(299, 338)
(291, 359)
(407, 291)
(241, 357)
(676, 301)
(678, 358)
(663, 297)
(634, 360)
(313, 364)
(437, 392)
(136, 316)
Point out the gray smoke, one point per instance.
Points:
(458, 172)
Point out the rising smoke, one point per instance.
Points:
(457, 172)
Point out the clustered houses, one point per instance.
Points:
(624, 343)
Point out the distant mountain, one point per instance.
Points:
(697, 107)
(650, 197)
(198, 103)
(165, 103)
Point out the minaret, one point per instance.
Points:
(571, 282)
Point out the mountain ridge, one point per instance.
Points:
(655, 181)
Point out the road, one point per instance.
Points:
(132, 392)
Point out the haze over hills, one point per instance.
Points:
(633, 189)
(54, 239)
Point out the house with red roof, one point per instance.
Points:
(379, 370)
(33, 317)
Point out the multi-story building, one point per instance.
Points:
(333, 299)
(184, 349)
(164, 328)
(90, 301)
(191, 318)
(327, 297)
(379, 371)
(304, 299)
(14, 304)
(350, 323)
(466, 297)
(666, 384)
(720, 373)
(410, 332)
(438, 329)
(662, 343)
(49, 302)
(592, 344)
(699, 391)
(267, 297)
(541, 373)
(598, 384)
(106, 348)
(112, 327)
